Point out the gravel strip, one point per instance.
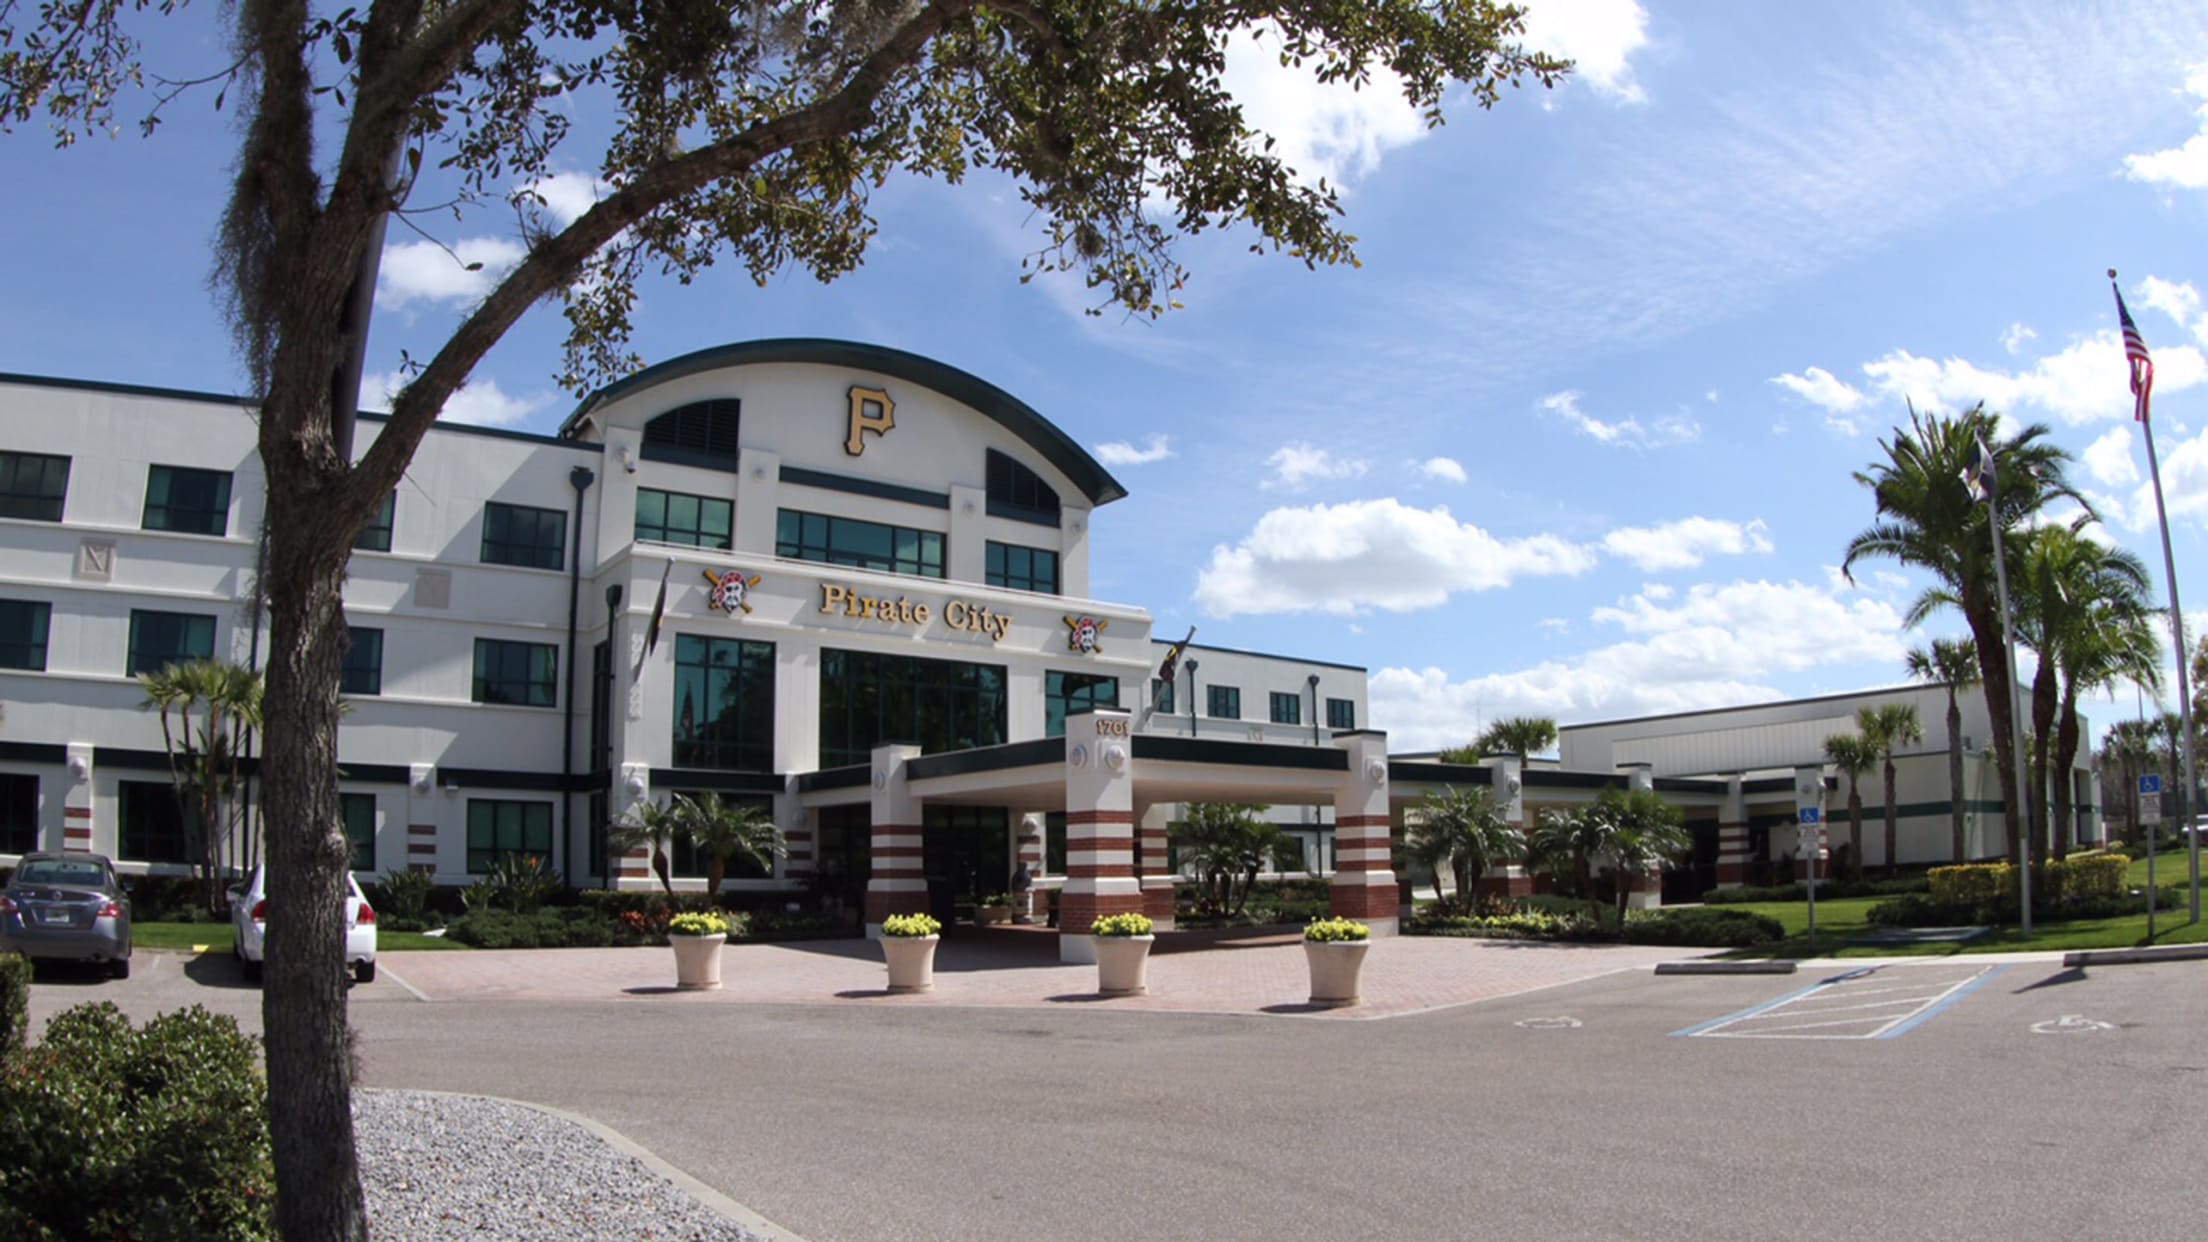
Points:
(440, 1167)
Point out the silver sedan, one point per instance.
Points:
(67, 907)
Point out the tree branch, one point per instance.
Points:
(552, 265)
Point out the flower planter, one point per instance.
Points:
(697, 961)
(1335, 967)
(1123, 965)
(911, 962)
(985, 916)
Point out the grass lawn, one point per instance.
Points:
(218, 938)
(1842, 919)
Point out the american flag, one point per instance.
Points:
(2135, 353)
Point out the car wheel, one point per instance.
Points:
(119, 968)
(251, 968)
(364, 972)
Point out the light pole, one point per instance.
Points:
(1313, 682)
(1190, 665)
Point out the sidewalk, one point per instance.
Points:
(1266, 976)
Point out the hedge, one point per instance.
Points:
(2087, 877)
(15, 1003)
(159, 1132)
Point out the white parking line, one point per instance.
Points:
(1781, 1018)
(384, 971)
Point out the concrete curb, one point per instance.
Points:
(627, 1146)
(1725, 968)
(2125, 957)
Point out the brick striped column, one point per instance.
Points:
(421, 848)
(1151, 859)
(1364, 887)
(801, 856)
(77, 824)
(1100, 830)
(1732, 835)
(896, 883)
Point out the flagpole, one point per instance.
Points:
(2169, 569)
(2016, 719)
(2184, 691)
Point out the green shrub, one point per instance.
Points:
(1972, 883)
(560, 927)
(1731, 929)
(2087, 877)
(15, 1003)
(403, 893)
(154, 1133)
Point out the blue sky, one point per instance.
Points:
(1575, 440)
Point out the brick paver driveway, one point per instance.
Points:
(1402, 975)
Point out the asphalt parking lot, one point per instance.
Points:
(1966, 1098)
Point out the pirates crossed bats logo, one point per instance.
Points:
(731, 591)
(1085, 634)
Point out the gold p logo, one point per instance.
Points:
(871, 410)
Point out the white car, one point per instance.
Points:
(249, 918)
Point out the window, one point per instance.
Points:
(520, 535)
(1287, 708)
(1023, 569)
(674, 517)
(703, 433)
(1054, 843)
(1161, 696)
(861, 545)
(724, 704)
(376, 535)
(33, 486)
(23, 625)
(1225, 702)
(1019, 493)
(194, 502)
(497, 827)
(358, 810)
(18, 813)
(868, 698)
(511, 672)
(1070, 694)
(363, 664)
(159, 639)
(152, 827)
(1341, 713)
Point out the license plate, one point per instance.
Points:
(59, 917)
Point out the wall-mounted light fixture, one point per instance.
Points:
(1514, 785)
(628, 458)
(452, 784)
(79, 768)
(635, 784)
(425, 779)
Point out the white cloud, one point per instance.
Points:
(1445, 468)
(1668, 430)
(566, 195)
(2177, 299)
(1599, 36)
(1296, 464)
(1323, 131)
(1121, 453)
(1713, 648)
(1684, 544)
(2109, 461)
(2014, 337)
(482, 403)
(424, 271)
(1370, 554)
(2085, 382)
(2184, 166)
(1828, 392)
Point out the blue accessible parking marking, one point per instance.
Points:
(1878, 1002)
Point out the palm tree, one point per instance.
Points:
(1518, 735)
(646, 824)
(2077, 604)
(1853, 755)
(1623, 832)
(1464, 831)
(1887, 728)
(2128, 746)
(723, 830)
(1952, 663)
(1927, 519)
(205, 755)
(2117, 642)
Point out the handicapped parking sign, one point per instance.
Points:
(2151, 783)
(1813, 815)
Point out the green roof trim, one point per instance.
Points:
(1011, 413)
